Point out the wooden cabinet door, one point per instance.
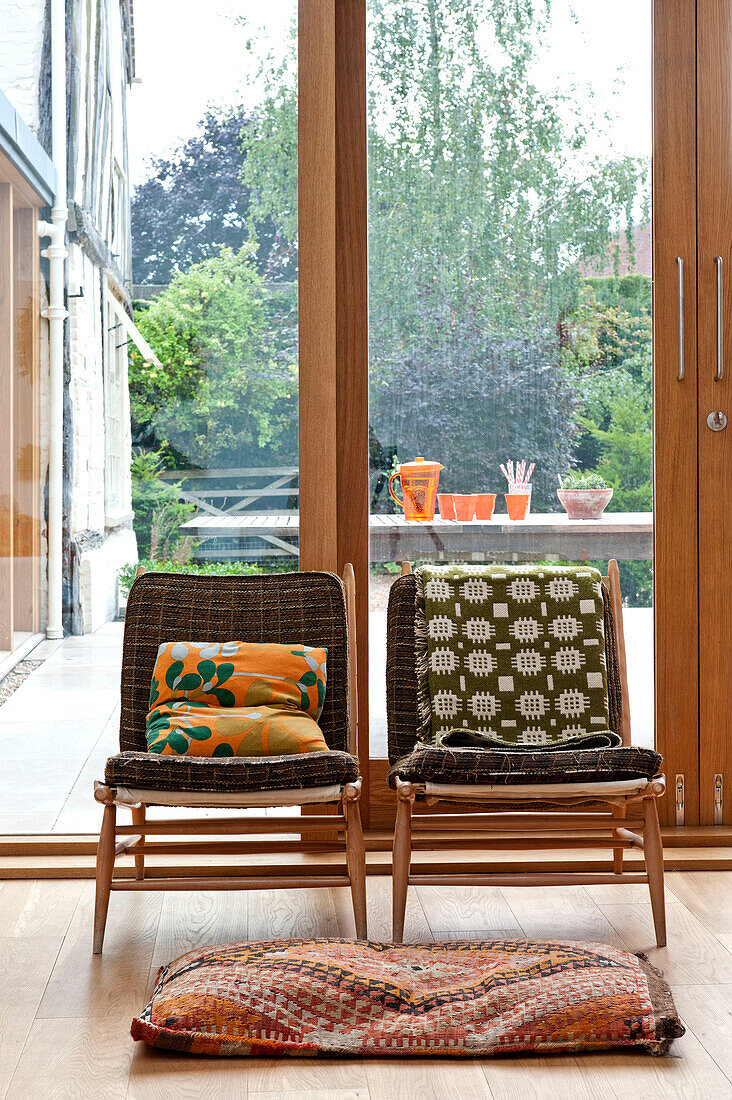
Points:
(714, 366)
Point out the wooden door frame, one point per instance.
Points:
(675, 504)
(333, 309)
(714, 212)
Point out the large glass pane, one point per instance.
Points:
(510, 288)
(214, 211)
(188, 179)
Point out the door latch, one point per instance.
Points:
(718, 799)
(679, 800)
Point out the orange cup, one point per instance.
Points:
(464, 506)
(484, 505)
(517, 505)
(446, 504)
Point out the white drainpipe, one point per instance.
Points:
(56, 314)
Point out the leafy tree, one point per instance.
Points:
(225, 394)
(618, 413)
(611, 341)
(633, 293)
(483, 201)
(195, 201)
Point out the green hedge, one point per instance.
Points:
(210, 568)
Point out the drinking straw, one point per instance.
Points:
(520, 478)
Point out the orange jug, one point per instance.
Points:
(419, 488)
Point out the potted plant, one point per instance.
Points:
(584, 496)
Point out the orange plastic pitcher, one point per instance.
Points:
(419, 487)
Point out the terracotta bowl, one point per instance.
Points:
(585, 503)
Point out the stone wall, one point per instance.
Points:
(98, 542)
(21, 46)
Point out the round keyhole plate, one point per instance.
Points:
(716, 421)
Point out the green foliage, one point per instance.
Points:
(128, 573)
(483, 200)
(636, 583)
(575, 479)
(194, 202)
(618, 419)
(158, 509)
(631, 293)
(271, 178)
(621, 336)
(226, 390)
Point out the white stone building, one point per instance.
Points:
(94, 485)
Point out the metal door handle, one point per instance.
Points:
(680, 264)
(720, 321)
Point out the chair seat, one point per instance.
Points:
(493, 766)
(149, 771)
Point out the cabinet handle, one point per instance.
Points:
(680, 265)
(720, 321)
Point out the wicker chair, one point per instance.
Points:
(564, 799)
(312, 608)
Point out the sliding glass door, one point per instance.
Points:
(532, 298)
(510, 293)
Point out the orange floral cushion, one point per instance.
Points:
(236, 699)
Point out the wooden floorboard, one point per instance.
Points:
(65, 1015)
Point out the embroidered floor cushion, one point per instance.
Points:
(514, 654)
(236, 699)
(358, 998)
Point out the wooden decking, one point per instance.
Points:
(627, 536)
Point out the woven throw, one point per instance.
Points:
(510, 657)
(359, 998)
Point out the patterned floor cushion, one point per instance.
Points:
(359, 998)
(467, 766)
(146, 771)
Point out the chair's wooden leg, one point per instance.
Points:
(653, 852)
(138, 818)
(105, 866)
(401, 857)
(356, 857)
(618, 812)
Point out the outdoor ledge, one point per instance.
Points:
(627, 536)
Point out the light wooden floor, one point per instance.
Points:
(65, 1015)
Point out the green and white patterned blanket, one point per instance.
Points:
(512, 657)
